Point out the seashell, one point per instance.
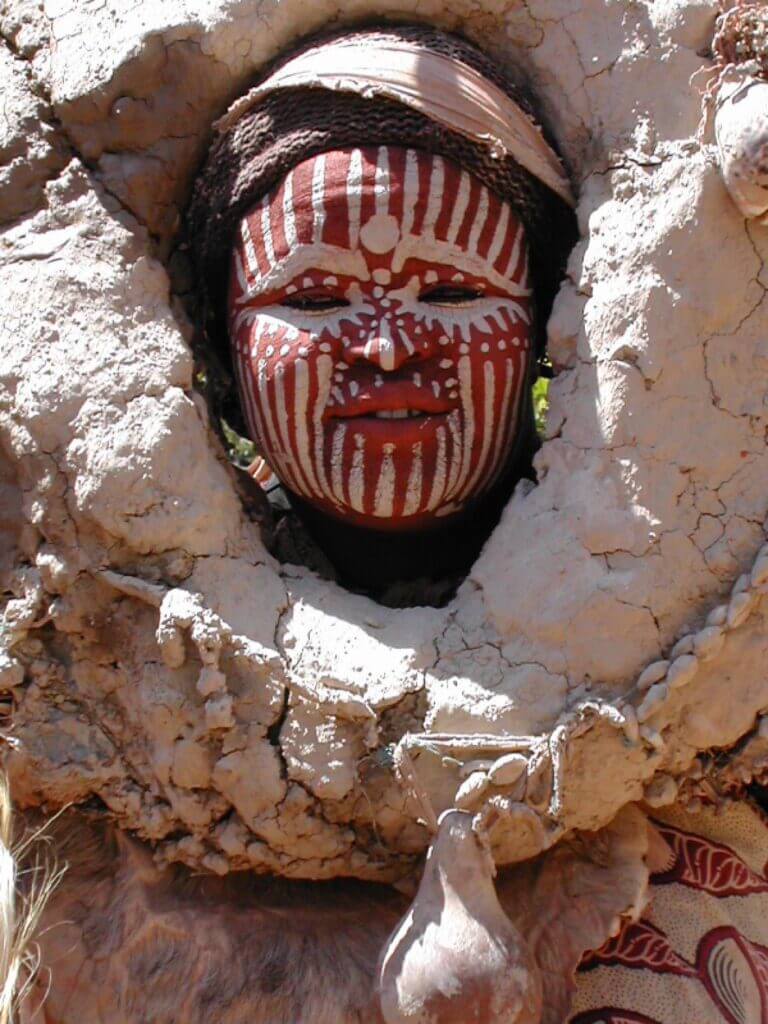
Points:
(741, 133)
(470, 791)
(539, 789)
(652, 674)
(653, 700)
(681, 671)
(696, 771)
(708, 642)
(508, 769)
(740, 607)
(217, 863)
(718, 616)
(683, 646)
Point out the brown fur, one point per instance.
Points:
(128, 943)
(124, 942)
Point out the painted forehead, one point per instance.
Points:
(381, 204)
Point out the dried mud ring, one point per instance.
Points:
(243, 715)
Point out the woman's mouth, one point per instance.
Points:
(391, 401)
(399, 414)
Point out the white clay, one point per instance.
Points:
(476, 765)
(759, 575)
(741, 584)
(653, 738)
(631, 726)
(649, 497)
(718, 616)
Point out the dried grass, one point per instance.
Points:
(28, 873)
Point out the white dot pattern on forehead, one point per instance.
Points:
(429, 410)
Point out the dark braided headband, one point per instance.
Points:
(288, 126)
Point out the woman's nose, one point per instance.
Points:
(385, 345)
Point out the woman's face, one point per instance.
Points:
(380, 323)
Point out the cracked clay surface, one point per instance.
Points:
(157, 663)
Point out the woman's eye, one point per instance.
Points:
(314, 301)
(450, 295)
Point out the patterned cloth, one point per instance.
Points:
(699, 954)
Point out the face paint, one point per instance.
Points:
(380, 321)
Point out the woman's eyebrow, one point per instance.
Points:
(302, 259)
(338, 261)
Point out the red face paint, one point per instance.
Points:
(380, 321)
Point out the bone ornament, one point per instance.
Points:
(380, 321)
(456, 958)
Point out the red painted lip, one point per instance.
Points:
(389, 398)
(406, 431)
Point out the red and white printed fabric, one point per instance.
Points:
(699, 954)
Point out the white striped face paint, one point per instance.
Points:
(380, 321)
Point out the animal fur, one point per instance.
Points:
(123, 942)
(126, 943)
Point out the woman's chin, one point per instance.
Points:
(419, 522)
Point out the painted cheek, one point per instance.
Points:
(497, 382)
(485, 368)
(286, 383)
